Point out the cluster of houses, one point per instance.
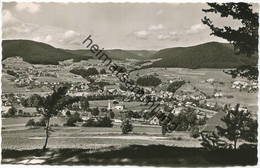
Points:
(9, 99)
(23, 82)
(78, 87)
(243, 85)
(218, 93)
(15, 101)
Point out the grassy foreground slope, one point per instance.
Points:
(37, 52)
(151, 155)
(208, 55)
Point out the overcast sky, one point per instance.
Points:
(126, 26)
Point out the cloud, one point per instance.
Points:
(70, 37)
(47, 34)
(48, 38)
(163, 36)
(172, 33)
(18, 28)
(8, 18)
(159, 12)
(45, 39)
(168, 36)
(70, 34)
(37, 38)
(13, 26)
(142, 34)
(156, 27)
(196, 28)
(28, 7)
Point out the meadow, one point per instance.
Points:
(107, 146)
(86, 137)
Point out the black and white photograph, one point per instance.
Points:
(121, 83)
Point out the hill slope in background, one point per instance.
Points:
(208, 55)
(143, 54)
(118, 54)
(37, 52)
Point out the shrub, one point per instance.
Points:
(179, 138)
(238, 124)
(68, 114)
(13, 73)
(112, 114)
(123, 87)
(126, 127)
(230, 96)
(30, 122)
(41, 122)
(84, 72)
(90, 123)
(92, 71)
(121, 69)
(195, 133)
(212, 141)
(173, 87)
(148, 80)
(11, 112)
(77, 117)
(20, 112)
(95, 112)
(33, 101)
(71, 122)
(26, 114)
(101, 122)
(105, 122)
(247, 146)
(55, 125)
(250, 131)
(84, 103)
(102, 71)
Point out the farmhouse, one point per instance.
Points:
(218, 94)
(154, 121)
(111, 88)
(177, 110)
(5, 109)
(210, 80)
(119, 107)
(117, 121)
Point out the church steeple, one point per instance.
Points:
(109, 105)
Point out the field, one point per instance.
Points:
(86, 137)
(107, 146)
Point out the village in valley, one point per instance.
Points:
(163, 90)
(200, 93)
